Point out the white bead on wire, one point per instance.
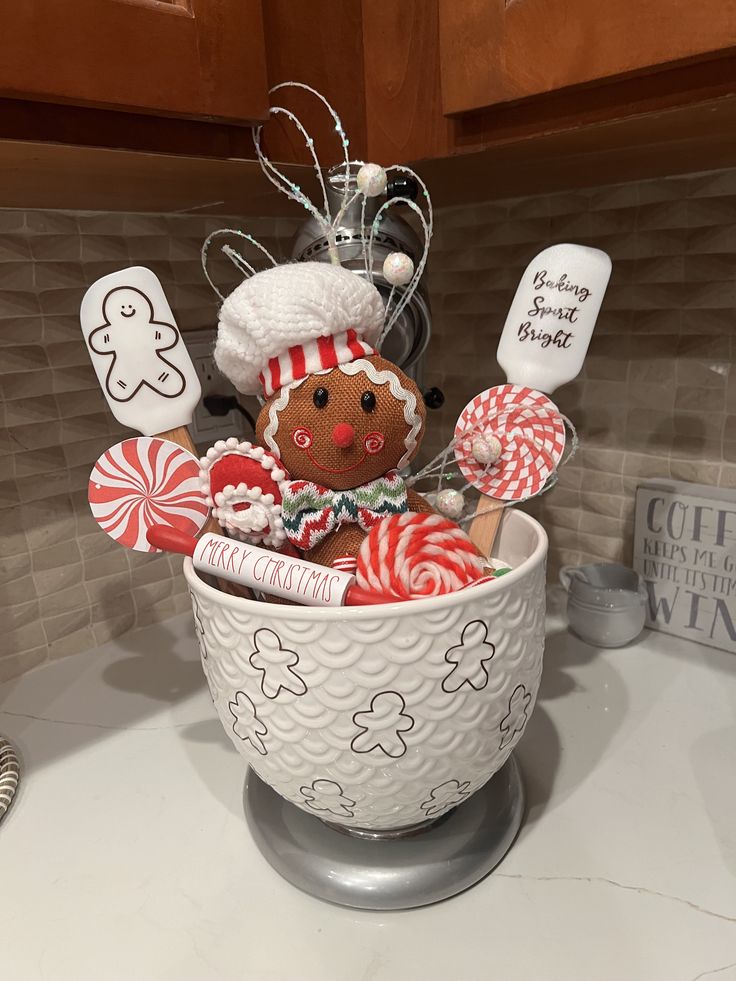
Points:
(398, 268)
(450, 503)
(486, 449)
(371, 180)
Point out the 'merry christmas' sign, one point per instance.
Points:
(685, 550)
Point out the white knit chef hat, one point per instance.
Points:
(290, 321)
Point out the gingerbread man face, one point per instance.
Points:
(344, 427)
(127, 304)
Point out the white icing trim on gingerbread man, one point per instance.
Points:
(361, 365)
(276, 406)
(385, 377)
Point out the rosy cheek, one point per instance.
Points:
(374, 443)
(302, 438)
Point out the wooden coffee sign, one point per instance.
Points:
(685, 550)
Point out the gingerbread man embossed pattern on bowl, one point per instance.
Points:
(381, 720)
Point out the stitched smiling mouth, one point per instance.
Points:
(328, 470)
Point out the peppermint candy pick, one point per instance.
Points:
(142, 482)
(531, 434)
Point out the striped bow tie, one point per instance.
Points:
(311, 512)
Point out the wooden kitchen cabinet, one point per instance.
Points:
(184, 77)
(505, 97)
(489, 97)
(200, 59)
(498, 51)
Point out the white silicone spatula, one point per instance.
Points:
(546, 337)
(551, 318)
(142, 364)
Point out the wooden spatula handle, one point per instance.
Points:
(182, 437)
(485, 524)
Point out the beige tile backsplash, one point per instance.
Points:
(64, 585)
(657, 396)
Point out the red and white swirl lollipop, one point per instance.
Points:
(410, 555)
(143, 482)
(509, 441)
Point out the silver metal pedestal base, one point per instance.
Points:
(388, 873)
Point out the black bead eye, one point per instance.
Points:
(321, 397)
(368, 401)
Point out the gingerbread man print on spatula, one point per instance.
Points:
(141, 362)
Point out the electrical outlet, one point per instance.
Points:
(206, 428)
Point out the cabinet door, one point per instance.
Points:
(496, 51)
(193, 58)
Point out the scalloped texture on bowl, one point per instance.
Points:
(380, 717)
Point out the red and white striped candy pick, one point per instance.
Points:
(345, 563)
(531, 433)
(407, 556)
(143, 482)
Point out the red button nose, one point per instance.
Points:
(343, 435)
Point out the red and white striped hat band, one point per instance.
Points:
(317, 355)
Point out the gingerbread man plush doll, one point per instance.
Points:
(341, 420)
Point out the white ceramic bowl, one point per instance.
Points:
(381, 717)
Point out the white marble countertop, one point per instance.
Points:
(127, 857)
